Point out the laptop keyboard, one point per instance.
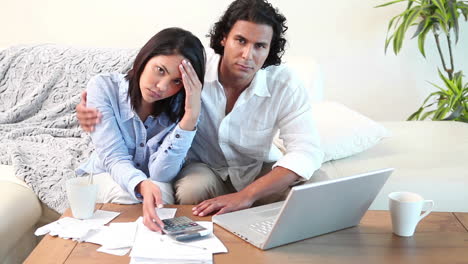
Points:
(263, 227)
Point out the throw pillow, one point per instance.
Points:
(343, 132)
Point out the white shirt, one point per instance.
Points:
(236, 145)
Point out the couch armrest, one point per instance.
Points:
(19, 210)
(7, 174)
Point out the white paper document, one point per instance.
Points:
(114, 236)
(120, 235)
(147, 246)
(210, 242)
(97, 236)
(76, 229)
(155, 261)
(152, 246)
(117, 252)
(118, 238)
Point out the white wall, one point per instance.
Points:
(346, 37)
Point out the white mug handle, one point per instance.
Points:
(428, 210)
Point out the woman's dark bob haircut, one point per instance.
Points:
(170, 41)
(256, 11)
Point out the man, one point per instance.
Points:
(247, 97)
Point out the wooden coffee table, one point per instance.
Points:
(439, 238)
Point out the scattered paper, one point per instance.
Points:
(211, 242)
(114, 236)
(152, 246)
(76, 229)
(97, 236)
(147, 246)
(153, 261)
(117, 252)
(120, 235)
(102, 217)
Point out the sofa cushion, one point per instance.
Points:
(19, 210)
(7, 174)
(345, 132)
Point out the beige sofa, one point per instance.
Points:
(21, 214)
(428, 157)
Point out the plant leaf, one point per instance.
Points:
(456, 101)
(422, 37)
(391, 22)
(387, 42)
(455, 114)
(458, 74)
(427, 99)
(442, 90)
(442, 20)
(448, 83)
(439, 114)
(408, 17)
(444, 113)
(398, 38)
(439, 5)
(398, 20)
(464, 9)
(412, 16)
(443, 101)
(453, 18)
(458, 79)
(436, 24)
(425, 115)
(415, 115)
(431, 104)
(388, 39)
(420, 28)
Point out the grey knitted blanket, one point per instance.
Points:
(40, 86)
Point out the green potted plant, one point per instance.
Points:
(440, 18)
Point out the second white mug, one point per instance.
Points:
(405, 209)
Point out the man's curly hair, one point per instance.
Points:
(256, 11)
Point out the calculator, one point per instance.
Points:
(183, 228)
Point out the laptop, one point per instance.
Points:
(309, 210)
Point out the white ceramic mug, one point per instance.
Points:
(82, 197)
(405, 209)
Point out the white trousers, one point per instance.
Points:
(198, 182)
(110, 192)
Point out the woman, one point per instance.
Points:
(149, 119)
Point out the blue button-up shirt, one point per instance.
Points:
(130, 150)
